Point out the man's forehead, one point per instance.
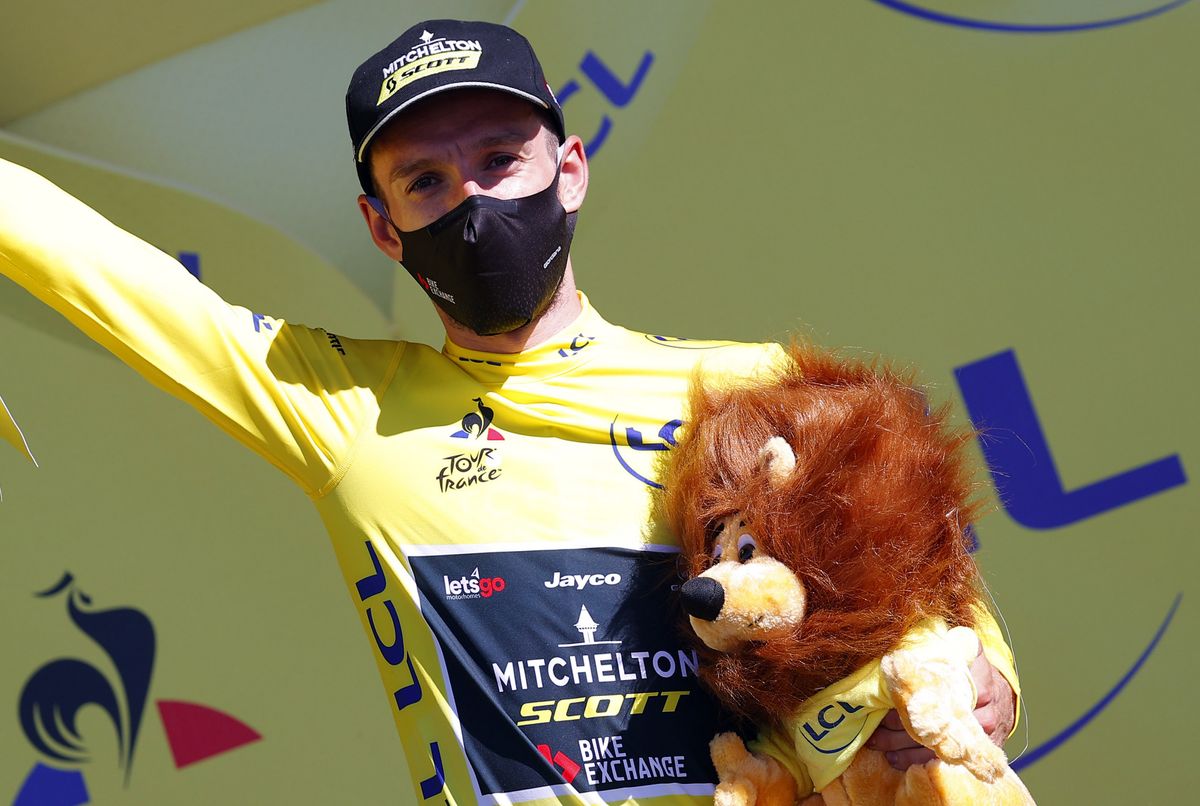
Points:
(464, 115)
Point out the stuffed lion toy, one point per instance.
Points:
(822, 514)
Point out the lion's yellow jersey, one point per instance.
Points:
(492, 514)
(834, 724)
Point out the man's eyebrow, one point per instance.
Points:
(503, 138)
(407, 169)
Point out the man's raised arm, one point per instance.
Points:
(278, 388)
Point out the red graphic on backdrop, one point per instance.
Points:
(196, 732)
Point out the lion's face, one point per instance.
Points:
(746, 595)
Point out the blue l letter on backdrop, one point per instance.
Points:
(1019, 457)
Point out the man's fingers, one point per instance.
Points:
(903, 759)
(981, 674)
(994, 709)
(988, 718)
(994, 703)
(890, 735)
(900, 749)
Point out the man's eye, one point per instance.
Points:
(501, 161)
(421, 183)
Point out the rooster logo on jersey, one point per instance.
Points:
(477, 423)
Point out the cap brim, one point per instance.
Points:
(362, 148)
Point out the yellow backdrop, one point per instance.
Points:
(1002, 197)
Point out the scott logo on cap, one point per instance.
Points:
(434, 55)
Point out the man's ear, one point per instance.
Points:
(573, 176)
(382, 232)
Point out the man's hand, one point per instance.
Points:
(995, 705)
(995, 708)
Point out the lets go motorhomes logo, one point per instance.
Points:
(56, 693)
(473, 586)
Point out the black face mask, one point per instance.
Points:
(493, 265)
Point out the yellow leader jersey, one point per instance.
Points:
(492, 514)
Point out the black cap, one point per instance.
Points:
(438, 55)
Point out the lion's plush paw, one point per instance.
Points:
(985, 760)
(729, 754)
(931, 685)
(735, 793)
(745, 778)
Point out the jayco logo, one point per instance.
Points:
(581, 581)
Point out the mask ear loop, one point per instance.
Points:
(377, 206)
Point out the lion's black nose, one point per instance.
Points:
(703, 598)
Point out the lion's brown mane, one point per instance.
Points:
(872, 522)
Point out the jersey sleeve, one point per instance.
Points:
(293, 394)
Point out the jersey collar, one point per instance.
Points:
(573, 346)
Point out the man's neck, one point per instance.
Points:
(564, 308)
